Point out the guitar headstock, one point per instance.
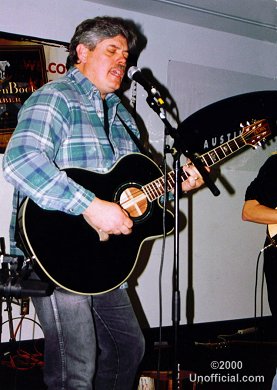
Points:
(256, 132)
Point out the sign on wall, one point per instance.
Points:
(25, 65)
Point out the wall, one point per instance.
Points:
(224, 250)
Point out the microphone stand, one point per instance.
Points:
(155, 101)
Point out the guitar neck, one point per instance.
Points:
(157, 188)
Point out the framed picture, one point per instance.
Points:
(25, 65)
(22, 71)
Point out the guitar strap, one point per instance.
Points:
(106, 123)
(135, 139)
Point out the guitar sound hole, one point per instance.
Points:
(134, 201)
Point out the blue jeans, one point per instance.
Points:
(91, 342)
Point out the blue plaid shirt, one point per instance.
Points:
(61, 126)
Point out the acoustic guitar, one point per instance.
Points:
(73, 255)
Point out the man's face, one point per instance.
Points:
(105, 65)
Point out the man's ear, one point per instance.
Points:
(82, 52)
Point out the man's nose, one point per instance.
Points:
(122, 58)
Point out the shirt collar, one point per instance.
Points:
(88, 88)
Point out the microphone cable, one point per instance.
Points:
(256, 285)
(165, 200)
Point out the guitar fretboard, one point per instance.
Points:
(156, 188)
(219, 153)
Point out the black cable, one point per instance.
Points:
(256, 284)
(20, 360)
(25, 318)
(161, 267)
(262, 292)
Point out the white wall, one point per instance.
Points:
(224, 248)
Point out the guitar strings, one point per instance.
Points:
(152, 189)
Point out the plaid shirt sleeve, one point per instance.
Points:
(28, 163)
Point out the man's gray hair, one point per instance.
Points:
(92, 31)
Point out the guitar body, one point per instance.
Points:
(77, 257)
(69, 252)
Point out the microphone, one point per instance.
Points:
(134, 73)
